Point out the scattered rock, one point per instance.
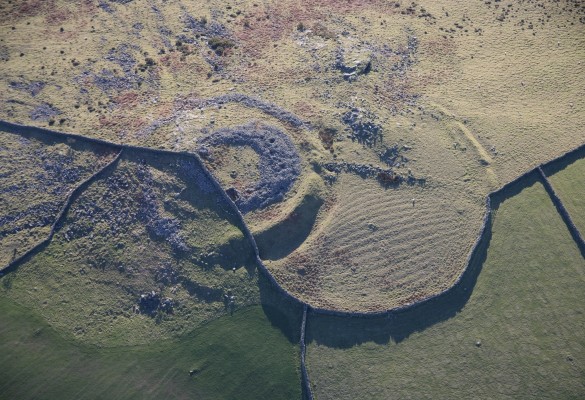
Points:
(372, 227)
(352, 67)
(150, 303)
(44, 112)
(364, 130)
(33, 88)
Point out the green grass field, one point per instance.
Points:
(526, 310)
(569, 183)
(239, 357)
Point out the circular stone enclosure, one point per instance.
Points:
(278, 168)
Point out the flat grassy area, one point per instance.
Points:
(238, 357)
(569, 183)
(375, 250)
(526, 312)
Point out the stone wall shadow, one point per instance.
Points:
(346, 332)
(561, 163)
(282, 312)
(285, 237)
(50, 138)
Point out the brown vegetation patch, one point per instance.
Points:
(302, 274)
(439, 47)
(396, 92)
(54, 12)
(125, 123)
(321, 30)
(388, 177)
(221, 46)
(304, 110)
(30, 8)
(108, 122)
(58, 16)
(127, 99)
(327, 136)
(269, 23)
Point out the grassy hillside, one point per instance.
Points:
(237, 357)
(154, 224)
(43, 171)
(463, 96)
(520, 333)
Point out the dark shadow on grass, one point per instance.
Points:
(283, 238)
(50, 139)
(549, 170)
(514, 188)
(346, 332)
(283, 313)
(561, 163)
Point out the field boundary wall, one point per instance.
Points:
(562, 210)
(24, 129)
(12, 265)
(20, 129)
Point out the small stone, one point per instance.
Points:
(372, 227)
